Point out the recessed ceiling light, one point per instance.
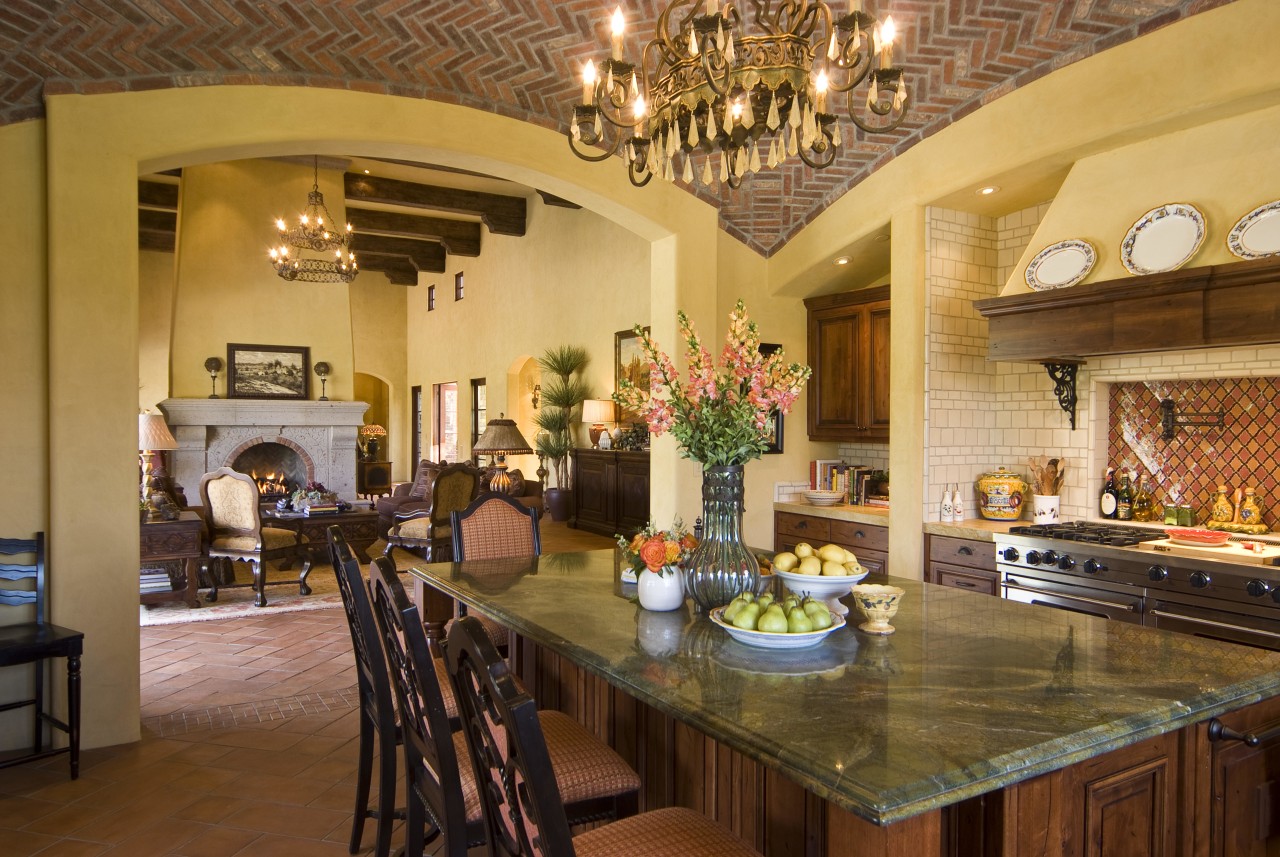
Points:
(988, 190)
(366, 172)
(880, 239)
(843, 260)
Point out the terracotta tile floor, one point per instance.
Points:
(249, 748)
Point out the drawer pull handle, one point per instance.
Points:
(965, 551)
(963, 584)
(1218, 731)
(859, 534)
(802, 525)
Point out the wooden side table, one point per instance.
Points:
(182, 539)
(373, 479)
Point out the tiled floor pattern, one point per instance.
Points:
(248, 748)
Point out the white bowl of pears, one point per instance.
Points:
(789, 622)
(828, 572)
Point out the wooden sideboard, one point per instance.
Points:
(166, 541)
(610, 491)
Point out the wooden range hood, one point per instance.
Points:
(1209, 307)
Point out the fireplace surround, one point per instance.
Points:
(213, 433)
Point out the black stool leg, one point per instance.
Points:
(38, 740)
(73, 712)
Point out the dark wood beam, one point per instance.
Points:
(157, 230)
(158, 195)
(398, 270)
(459, 237)
(552, 199)
(504, 215)
(423, 255)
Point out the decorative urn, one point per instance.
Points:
(1000, 494)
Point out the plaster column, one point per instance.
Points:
(906, 396)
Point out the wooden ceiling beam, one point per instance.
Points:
(504, 215)
(158, 195)
(459, 237)
(157, 230)
(398, 270)
(426, 256)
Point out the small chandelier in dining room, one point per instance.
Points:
(314, 251)
(705, 82)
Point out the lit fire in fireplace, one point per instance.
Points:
(271, 484)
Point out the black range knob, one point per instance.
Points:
(1009, 554)
(1066, 563)
(1257, 588)
(1033, 557)
(1092, 566)
(1199, 579)
(1049, 558)
(1157, 573)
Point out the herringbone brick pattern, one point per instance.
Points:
(520, 58)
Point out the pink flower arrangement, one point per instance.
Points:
(720, 414)
(657, 549)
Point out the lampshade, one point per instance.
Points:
(153, 433)
(597, 411)
(501, 437)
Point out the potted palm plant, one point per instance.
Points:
(562, 394)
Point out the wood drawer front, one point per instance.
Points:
(858, 537)
(815, 531)
(966, 552)
(969, 579)
(874, 562)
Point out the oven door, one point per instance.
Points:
(1017, 585)
(1204, 620)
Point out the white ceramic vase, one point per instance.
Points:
(663, 591)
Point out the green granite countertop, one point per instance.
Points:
(972, 693)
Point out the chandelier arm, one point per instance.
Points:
(883, 106)
(806, 20)
(633, 171)
(594, 158)
(853, 81)
(716, 85)
(820, 163)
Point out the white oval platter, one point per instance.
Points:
(766, 640)
(1163, 239)
(1061, 265)
(1257, 234)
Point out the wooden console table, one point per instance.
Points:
(183, 539)
(359, 527)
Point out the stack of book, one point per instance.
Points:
(154, 580)
(322, 509)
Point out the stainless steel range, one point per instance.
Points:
(1134, 574)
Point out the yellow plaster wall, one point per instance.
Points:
(155, 328)
(379, 337)
(1225, 169)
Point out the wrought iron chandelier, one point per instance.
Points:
(304, 250)
(704, 85)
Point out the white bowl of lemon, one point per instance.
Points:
(827, 573)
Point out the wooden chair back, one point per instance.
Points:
(520, 799)
(231, 502)
(31, 574)
(495, 526)
(454, 487)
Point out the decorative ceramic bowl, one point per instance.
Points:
(1201, 538)
(879, 603)
(827, 588)
(823, 498)
(768, 640)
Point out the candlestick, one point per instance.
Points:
(887, 32)
(588, 83)
(618, 27)
(855, 6)
(711, 7)
(641, 113)
(820, 86)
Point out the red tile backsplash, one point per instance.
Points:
(1189, 468)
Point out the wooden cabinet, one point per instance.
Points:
(373, 478)
(849, 353)
(1244, 815)
(963, 563)
(166, 542)
(869, 542)
(610, 491)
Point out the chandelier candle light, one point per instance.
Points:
(706, 83)
(722, 417)
(302, 250)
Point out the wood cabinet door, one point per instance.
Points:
(593, 490)
(973, 580)
(875, 413)
(633, 493)
(837, 340)
(1246, 785)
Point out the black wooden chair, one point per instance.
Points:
(32, 639)
(507, 745)
(442, 796)
(377, 707)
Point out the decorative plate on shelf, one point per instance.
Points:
(823, 498)
(1257, 234)
(1163, 239)
(767, 640)
(1061, 265)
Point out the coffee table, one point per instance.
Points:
(359, 527)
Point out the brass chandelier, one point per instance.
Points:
(303, 252)
(704, 84)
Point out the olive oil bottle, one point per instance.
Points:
(1107, 500)
(1124, 499)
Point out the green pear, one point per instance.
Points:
(765, 600)
(798, 622)
(747, 617)
(812, 606)
(821, 619)
(789, 602)
(734, 606)
(773, 620)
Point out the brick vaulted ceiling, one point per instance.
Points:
(519, 58)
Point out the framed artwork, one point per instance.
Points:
(268, 371)
(775, 444)
(629, 362)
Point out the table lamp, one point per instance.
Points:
(153, 435)
(501, 438)
(597, 412)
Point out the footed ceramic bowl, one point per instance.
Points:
(879, 603)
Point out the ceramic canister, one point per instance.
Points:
(1000, 495)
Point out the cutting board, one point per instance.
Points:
(1230, 552)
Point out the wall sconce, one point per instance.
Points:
(213, 366)
(323, 369)
(537, 394)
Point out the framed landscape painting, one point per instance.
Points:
(629, 362)
(268, 372)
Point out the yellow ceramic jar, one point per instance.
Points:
(1000, 495)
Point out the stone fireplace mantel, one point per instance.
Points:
(212, 432)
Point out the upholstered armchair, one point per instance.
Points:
(233, 516)
(408, 497)
(428, 533)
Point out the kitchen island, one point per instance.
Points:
(981, 726)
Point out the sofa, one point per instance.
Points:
(415, 496)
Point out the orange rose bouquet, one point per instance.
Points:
(657, 550)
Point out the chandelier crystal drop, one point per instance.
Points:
(757, 95)
(314, 251)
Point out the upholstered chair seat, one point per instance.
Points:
(428, 533)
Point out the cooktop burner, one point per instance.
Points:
(1091, 532)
